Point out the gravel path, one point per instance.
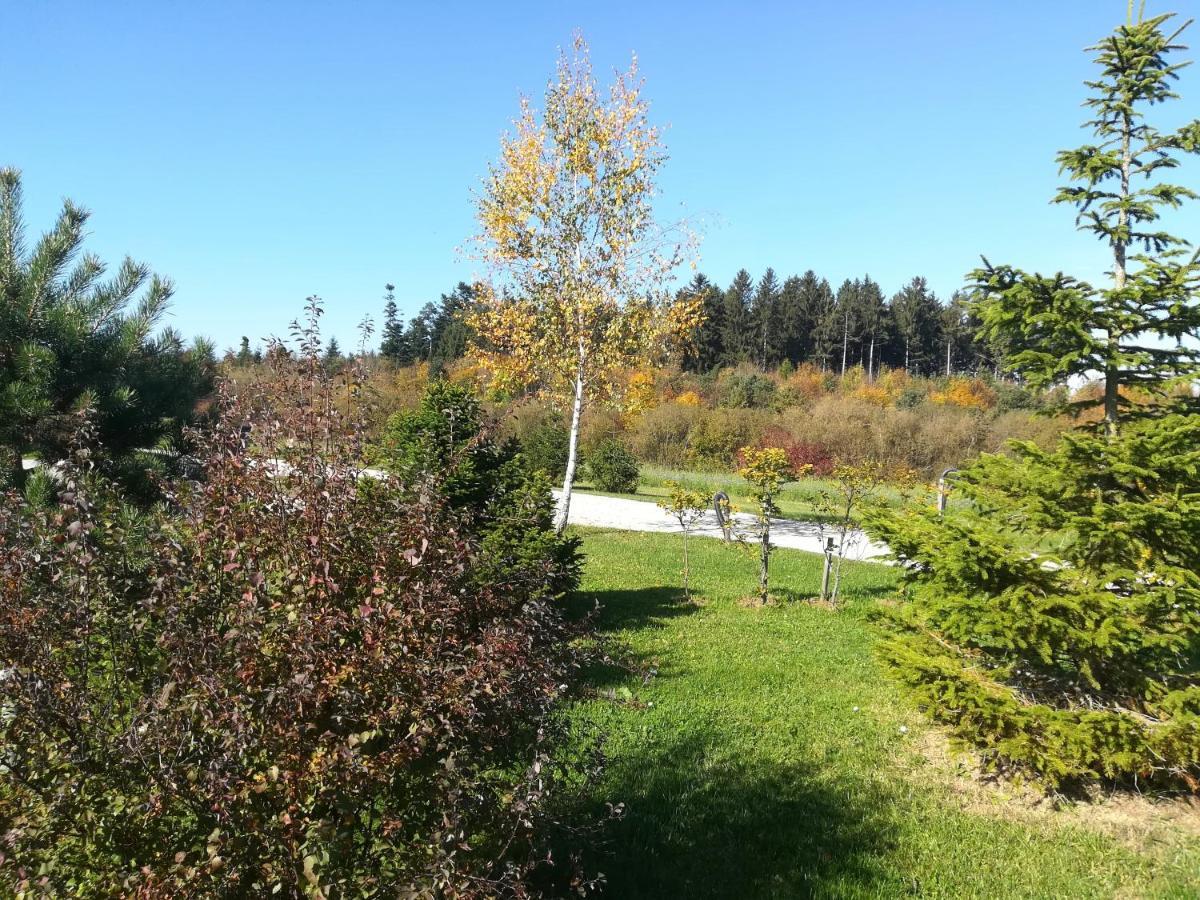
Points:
(638, 515)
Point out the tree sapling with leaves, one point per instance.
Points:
(767, 469)
(686, 507)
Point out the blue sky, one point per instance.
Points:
(258, 153)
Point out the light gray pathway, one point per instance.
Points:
(639, 515)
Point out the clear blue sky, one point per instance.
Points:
(258, 153)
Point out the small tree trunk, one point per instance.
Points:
(871, 360)
(687, 591)
(906, 343)
(948, 357)
(564, 503)
(764, 561)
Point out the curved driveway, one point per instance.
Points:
(638, 515)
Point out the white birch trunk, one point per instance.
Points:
(564, 502)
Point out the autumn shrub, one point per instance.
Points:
(747, 390)
(716, 436)
(808, 383)
(875, 394)
(803, 456)
(612, 468)
(289, 680)
(640, 393)
(966, 393)
(661, 435)
(604, 424)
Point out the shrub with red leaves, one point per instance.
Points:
(804, 456)
(288, 681)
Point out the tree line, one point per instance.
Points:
(802, 319)
(769, 322)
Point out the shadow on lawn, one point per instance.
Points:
(636, 608)
(702, 827)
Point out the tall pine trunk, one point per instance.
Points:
(845, 339)
(564, 503)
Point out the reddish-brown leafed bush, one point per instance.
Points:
(288, 682)
(804, 456)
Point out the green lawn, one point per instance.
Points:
(797, 500)
(767, 758)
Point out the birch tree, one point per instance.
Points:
(579, 265)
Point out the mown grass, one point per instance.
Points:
(769, 757)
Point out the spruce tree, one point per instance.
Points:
(1054, 617)
(874, 324)
(450, 334)
(956, 334)
(847, 303)
(1134, 333)
(797, 302)
(826, 322)
(706, 349)
(767, 322)
(392, 345)
(244, 355)
(737, 337)
(916, 314)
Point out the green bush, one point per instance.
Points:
(545, 448)
(613, 468)
(911, 397)
(1077, 662)
(508, 500)
(716, 438)
(747, 391)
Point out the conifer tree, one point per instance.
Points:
(847, 299)
(916, 314)
(871, 314)
(707, 347)
(956, 332)
(826, 323)
(72, 339)
(766, 319)
(737, 337)
(797, 303)
(1139, 332)
(392, 345)
(1054, 619)
(244, 355)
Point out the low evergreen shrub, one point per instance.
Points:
(1054, 620)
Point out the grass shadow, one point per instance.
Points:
(635, 608)
(701, 825)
